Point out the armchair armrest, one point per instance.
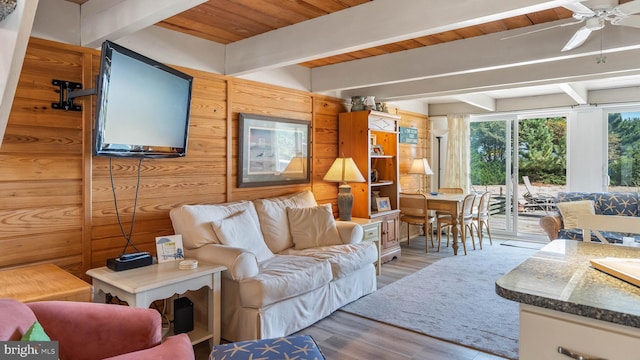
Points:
(551, 224)
(174, 347)
(350, 232)
(240, 263)
(102, 330)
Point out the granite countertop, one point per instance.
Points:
(560, 277)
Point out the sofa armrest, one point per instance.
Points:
(551, 224)
(350, 232)
(174, 347)
(102, 330)
(241, 264)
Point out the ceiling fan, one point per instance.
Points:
(594, 17)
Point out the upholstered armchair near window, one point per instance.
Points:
(91, 331)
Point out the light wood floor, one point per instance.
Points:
(343, 336)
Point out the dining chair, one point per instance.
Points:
(480, 217)
(447, 190)
(413, 211)
(465, 221)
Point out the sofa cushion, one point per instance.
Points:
(240, 231)
(344, 259)
(194, 221)
(576, 234)
(312, 227)
(283, 277)
(574, 196)
(572, 210)
(619, 204)
(272, 214)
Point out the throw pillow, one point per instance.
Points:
(193, 222)
(572, 210)
(239, 230)
(35, 333)
(272, 213)
(312, 227)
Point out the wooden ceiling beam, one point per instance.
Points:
(619, 64)
(371, 24)
(472, 55)
(112, 19)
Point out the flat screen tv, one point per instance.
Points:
(142, 107)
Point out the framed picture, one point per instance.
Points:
(373, 140)
(383, 203)
(272, 151)
(169, 248)
(377, 150)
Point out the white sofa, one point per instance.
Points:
(289, 263)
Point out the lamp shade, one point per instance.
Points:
(420, 166)
(439, 132)
(344, 170)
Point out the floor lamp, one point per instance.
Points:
(440, 133)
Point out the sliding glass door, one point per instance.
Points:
(506, 148)
(492, 166)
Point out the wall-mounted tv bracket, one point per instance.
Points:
(68, 91)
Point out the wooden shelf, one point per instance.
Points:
(357, 130)
(382, 183)
(199, 333)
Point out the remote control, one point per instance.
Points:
(133, 256)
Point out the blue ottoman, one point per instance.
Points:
(300, 347)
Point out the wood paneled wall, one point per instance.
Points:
(408, 152)
(56, 199)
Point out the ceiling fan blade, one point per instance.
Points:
(629, 20)
(578, 38)
(579, 8)
(628, 8)
(543, 29)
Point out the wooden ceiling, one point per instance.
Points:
(227, 21)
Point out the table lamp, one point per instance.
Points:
(344, 170)
(420, 166)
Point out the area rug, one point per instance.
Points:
(454, 299)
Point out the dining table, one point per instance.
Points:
(451, 203)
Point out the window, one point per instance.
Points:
(623, 151)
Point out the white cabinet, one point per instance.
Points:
(543, 332)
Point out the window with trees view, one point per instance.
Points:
(542, 151)
(624, 150)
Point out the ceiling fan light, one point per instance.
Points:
(595, 23)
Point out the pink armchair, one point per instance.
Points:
(90, 331)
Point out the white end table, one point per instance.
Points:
(371, 232)
(142, 286)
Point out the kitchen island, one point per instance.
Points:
(569, 309)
